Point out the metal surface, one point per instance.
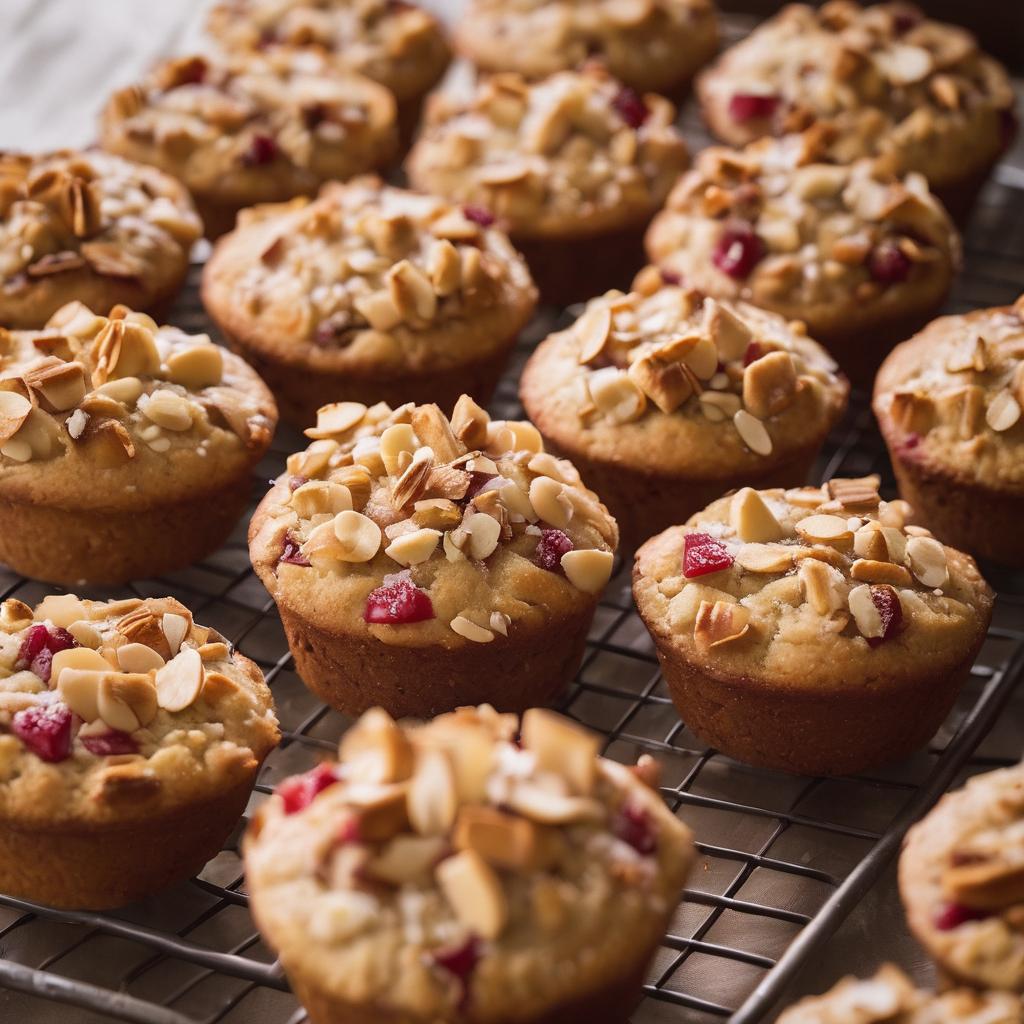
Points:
(783, 859)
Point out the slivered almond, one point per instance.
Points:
(588, 569)
(562, 747)
(821, 585)
(474, 892)
(411, 484)
(469, 423)
(434, 431)
(593, 329)
(179, 682)
(753, 432)
(467, 628)
(719, 623)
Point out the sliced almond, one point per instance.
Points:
(562, 747)
(867, 570)
(376, 750)
(806, 497)
(927, 560)
(358, 536)
(407, 860)
(126, 701)
(79, 688)
(474, 892)
(769, 384)
(397, 445)
(1003, 411)
(547, 807)
(469, 423)
(76, 658)
(719, 623)
(550, 503)
(433, 429)
(175, 629)
(592, 329)
(484, 533)
(320, 497)
(14, 410)
(752, 519)
(61, 610)
(468, 629)
(616, 394)
(864, 612)
(503, 840)
(196, 367)
(821, 585)
(753, 433)
(433, 799)
(765, 558)
(855, 495)
(413, 548)
(826, 529)
(179, 682)
(588, 569)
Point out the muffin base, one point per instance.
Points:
(100, 867)
(569, 270)
(355, 673)
(965, 515)
(300, 390)
(811, 733)
(79, 546)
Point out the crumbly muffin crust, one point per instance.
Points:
(575, 155)
(117, 711)
(88, 226)
(891, 82)
(450, 517)
(890, 998)
(847, 249)
(654, 45)
(399, 45)
(252, 129)
(444, 870)
(368, 279)
(961, 877)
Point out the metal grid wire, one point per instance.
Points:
(783, 859)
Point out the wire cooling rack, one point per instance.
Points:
(782, 859)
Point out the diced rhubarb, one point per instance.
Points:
(398, 602)
(45, 730)
(634, 825)
(109, 743)
(702, 554)
(952, 915)
(751, 106)
(630, 106)
(478, 215)
(888, 264)
(262, 150)
(737, 251)
(887, 602)
(38, 647)
(291, 553)
(553, 544)
(299, 791)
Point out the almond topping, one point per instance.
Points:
(994, 882)
(179, 682)
(593, 329)
(432, 801)
(397, 445)
(434, 431)
(588, 569)
(470, 630)
(413, 548)
(138, 658)
(765, 558)
(358, 536)
(821, 585)
(616, 395)
(752, 432)
(320, 497)
(729, 333)
(375, 750)
(76, 658)
(865, 613)
(562, 747)
(474, 892)
(412, 484)
(927, 559)
(869, 571)
(825, 529)
(752, 519)
(484, 533)
(14, 410)
(196, 367)
(719, 623)
(336, 418)
(1003, 412)
(769, 384)
(550, 502)
(503, 840)
(175, 628)
(469, 423)
(126, 701)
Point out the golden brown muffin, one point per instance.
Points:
(962, 881)
(948, 403)
(890, 82)
(664, 400)
(252, 129)
(92, 227)
(652, 46)
(368, 293)
(130, 739)
(890, 998)
(420, 564)
(399, 45)
(811, 630)
(862, 256)
(445, 872)
(573, 167)
(125, 448)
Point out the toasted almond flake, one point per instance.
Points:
(85, 633)
(469, 423)
(337, 418)
(825, 529)
(730, 334)
(765, 558)
(806, 497)
(503, 840)
(475, 893)
(396, 441)
(547, 807)
(179, 682)
(413, 548)
(753, 433)
(175, 628)
(215, 651)
(719, 623)
(358, 536)
(499, 622)
(14, 410)
(433, 430)
(562, 747)
(546, 464)
(168, 409)
(126, 701)
(616, 394)
(1003, 412)
(196, 367)
(83, 658)
(864, 612)
(449, 544)
(484, 533)
(548, 499)
(868, 571)
(413, 481)
(726, 401)
(517, 501)
(432, 800)
(752, 519)
(470, 630)
(927, 560)
(79, 688)
(319, 497)
(588, 569)
(505, 436)
(821, 586)
(138, 658)
(593, 329)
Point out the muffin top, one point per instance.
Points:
(88, 212)
(121, 709)
(577, 153)
(962, 880)
(369, 277)
(669, 380)
(110, 411)
(653, 44)
(890, 998)
(398, 45)
(890, 81)
(419, 530)
(812, 240)
(764, 584)
(448, 865)
(953, 395)
(270, 126)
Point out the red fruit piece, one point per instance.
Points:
(749, 106)
(108, 743)
(634, 825)
(460, 962)
(671, 277)
(299, 791)
(292, 552)
(737, 251)
(295, 482)
(702, 554)
(397, 602)
(478, 215)
(32, 643)
(349, 831)
(262, 150)
(38, 647)
(754, 352)
(887, 263)
(45, 730)
(630, 106)
(553, 544)
(887, 602)
(952, 915)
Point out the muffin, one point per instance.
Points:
(573, 167)
(250, 130)
(948, 403)
(862, 256)
(125, 448)
(130, 739)
(399, 45)
(449, 872)
(892, 83)
(890, 998)
(420, 564)
(92, 227)
(368, 293)
(811, 630)
(664, 400)
(961, 878)
(653, 47)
